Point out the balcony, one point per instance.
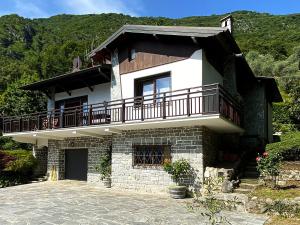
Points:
(180, 105)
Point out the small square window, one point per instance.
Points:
(151, 155)
(131, 54)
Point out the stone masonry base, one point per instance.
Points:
(185, 142)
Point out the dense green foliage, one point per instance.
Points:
(35, 49)
(178, 169)
(16, 167)
(104, 166)
(288, 147)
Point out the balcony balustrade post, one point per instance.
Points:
(123, 111)
(188, 105)
(217, 106)
(105, 111)
(142, 108)
(90, 115)
(164, 106)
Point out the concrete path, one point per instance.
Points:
(71, 202)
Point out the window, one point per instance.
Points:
(131, 54)
(151, 155)
(153, 87)
(72, 103)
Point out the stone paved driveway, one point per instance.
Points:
(70, 202)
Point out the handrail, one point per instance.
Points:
(183, 102)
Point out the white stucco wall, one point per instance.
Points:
(100, 94)
(192, 72)
(184, 74)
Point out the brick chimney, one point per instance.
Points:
(227, 22)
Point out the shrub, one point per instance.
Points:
(269, 166)
(24, 165)
(5, 159)
(178, 169)
(284, 209)
(288, 147)
(104, 167)
(17, 167)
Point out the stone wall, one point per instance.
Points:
(95, 146)
(210, 147)
(185, 142)
(41, 154)
(255, 117)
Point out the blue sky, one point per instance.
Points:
(166, 8)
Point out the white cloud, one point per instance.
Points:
(98, 6)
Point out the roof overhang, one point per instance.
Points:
(273, 93)
(74, 80)
(179, 31)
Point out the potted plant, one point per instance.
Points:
(179, 170)
(104, 168)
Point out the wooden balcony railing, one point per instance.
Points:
(204, 100)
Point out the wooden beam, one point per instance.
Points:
(155, 36)
(195, 41)
(103, 74)
(65, 90)
(86, 84)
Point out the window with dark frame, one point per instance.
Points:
(153, 87)
(71, 103)
(151, 155)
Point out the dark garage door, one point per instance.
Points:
(76, 164)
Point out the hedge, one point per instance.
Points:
(16, 167)
(288, 147)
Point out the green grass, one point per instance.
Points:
(291, 190)
(277, 220)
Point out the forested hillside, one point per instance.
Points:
(37, 49)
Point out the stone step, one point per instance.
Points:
(250, 181)
(251, 174)
(247, 186)
(251, 169)
(242, 191)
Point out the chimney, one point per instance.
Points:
(227, 22)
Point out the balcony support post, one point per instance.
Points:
(142, 108)
(90, 115)
(123, 111)
(188, 107)
(164, 106)
(217, 106)
(105, 111)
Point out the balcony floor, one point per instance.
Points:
(215, 122)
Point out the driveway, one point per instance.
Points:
(71, 202)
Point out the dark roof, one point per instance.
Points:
(73, 80)
(161, 30)
(273, 92)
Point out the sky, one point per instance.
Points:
(165, 8)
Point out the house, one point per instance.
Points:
(150, 94)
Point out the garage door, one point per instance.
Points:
(76, 164)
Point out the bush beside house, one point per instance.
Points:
(16, 167)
